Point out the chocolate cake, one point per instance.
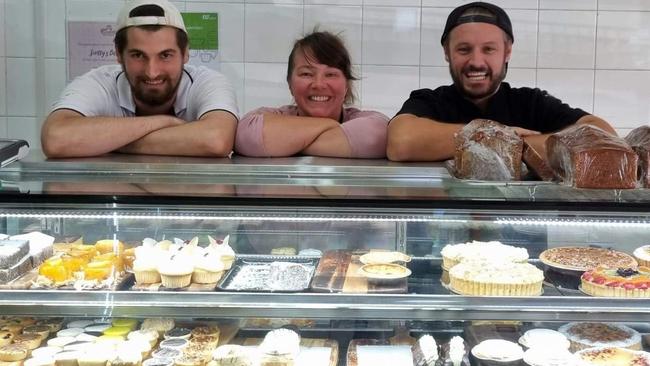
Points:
(588, 157)
(488, 150)
(639, 140)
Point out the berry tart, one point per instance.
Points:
(621, 282)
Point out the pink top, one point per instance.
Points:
(366, 131)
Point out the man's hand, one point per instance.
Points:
(522, 132)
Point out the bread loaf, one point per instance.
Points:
(537, 162)
(588, 157)
(639, 140)
(488, 150)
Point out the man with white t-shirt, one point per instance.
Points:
(151, 103)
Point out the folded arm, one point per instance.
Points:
(67, 133)
(212, 134)
(412, 138)
(264, 133)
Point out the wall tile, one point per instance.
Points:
(567, 39)
(333, 2)
(432, 77)
(506, 4)
(391, 2)
(521, 77)
(391, 36)
(265, 86)
(3, 87)
(3, 127)
(19, 28)
(54, 28)
(568, 4)
(433, 24)
(213, 1)
(21, 82)
(25, 128)
(621, 97)
(234, 71)
(231, 28)
(388, 100)
(641, 5)
(343, 20)
(2, 28)
(524, 28)
(295, 2)
(623, 40)
(270, 31)
(574, 87)
(95, 10)
(56, 70)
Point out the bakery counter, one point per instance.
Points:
(321, 306)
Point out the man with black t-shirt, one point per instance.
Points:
(477, 41)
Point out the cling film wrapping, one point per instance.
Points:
(639, 140)
(487, 150)
(585, 156)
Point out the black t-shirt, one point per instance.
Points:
(529, 108)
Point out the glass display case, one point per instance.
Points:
(316, 207)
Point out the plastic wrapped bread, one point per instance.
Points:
(488, 150)
(588, 157)
(537, 162)
(639, 140)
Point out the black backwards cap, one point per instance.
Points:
(498, 18)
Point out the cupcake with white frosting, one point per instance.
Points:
(208, 268)
(223, 249)
(176, 271)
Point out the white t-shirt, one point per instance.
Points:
(105, 91)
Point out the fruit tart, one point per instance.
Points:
(620, 282)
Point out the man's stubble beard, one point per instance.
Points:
(494, 85)
(152, 99)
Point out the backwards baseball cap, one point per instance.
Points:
(150, 12)
(495, 16)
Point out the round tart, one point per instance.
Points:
(585, 258)
(384, 271)
(642, 255)
(379, 257)
(591, 334)
(452, 254)
(548, 357)
(544, 338)
(498, 350)
(621, 282)
(613, 356)
(487, 278)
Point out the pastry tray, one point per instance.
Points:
(258, 267)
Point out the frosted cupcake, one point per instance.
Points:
(208, 268)
(223, 249)
(176, 271)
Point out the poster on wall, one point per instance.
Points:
(90, 43)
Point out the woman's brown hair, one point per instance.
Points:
(327, 49)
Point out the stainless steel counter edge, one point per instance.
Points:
(335, 306)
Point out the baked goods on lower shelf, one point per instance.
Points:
(614, 356)
(591, 334)
(544, 338)
(621, 282)
(642, 255)
(425, 351)
(586, 156)
(498, 350)
(546, 357)
(487, 278)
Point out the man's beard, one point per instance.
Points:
(152, 97)
(495, 82)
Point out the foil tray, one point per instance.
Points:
(251, 273)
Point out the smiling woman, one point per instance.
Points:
(320, 79)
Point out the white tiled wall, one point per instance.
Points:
(594, 54)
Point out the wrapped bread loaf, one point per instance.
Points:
(536, 161)
(588, 157)
(639, 140)
(488, 150)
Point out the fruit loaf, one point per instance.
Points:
(487, 150)
(588, 157)
(639, 140)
